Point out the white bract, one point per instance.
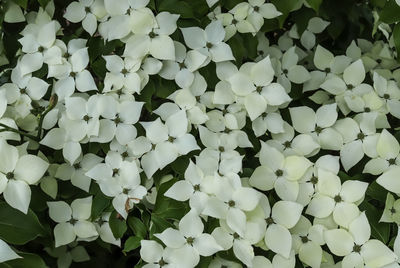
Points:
(73, 221)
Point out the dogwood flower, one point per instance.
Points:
(87, 11)
(356, 247)
(279, 172)
(72, 220)
(155, 41)
(190, 236)
(388, 149)
(391, 213)
(104, 230)
(319, 124)
(209, 42)
(18, 170)
(336, 198)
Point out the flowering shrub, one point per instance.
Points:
(203, 133)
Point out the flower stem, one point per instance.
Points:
(7, 128)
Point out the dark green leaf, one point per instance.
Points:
(176, 7)
(27, 260)
(21, 3)
(159, 224)
(390, 13)
(138, 227)
(285, 6)
(117, 225)
(100, 203)
(315, 4)
(17, 227)
(396, 37)
(43, 3)
(379, 230)
(132, 243)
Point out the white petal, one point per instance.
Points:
(206, 245)
(71, 151)
(221, 52)
(236, 220)
(353, 191)
(243, 251)
(322, 58)
(162, 47)
(90, 23)
(377, 254)
(214, 32)
(181, 191)
(85, 229)
(150, 251)
(355, 73)
(303, 119)
(31, 62)
(75, 12)
(275, 94)
(55, 138)
(6, 253)
(84, 81)
(311, 254)
(194, 37)
(388, 147)
(344, 213)
(30, 168)
(298, 74)
(339, 241)
(320, 206)
(18, 195)
(389, 180)
(286, 213)
(262, 72)
(255, 105)
(278, 239)
(59, 211)
(171, 238)
(326, 115)
(8, 157)
(360, 229)
(351, 153)
(64, 234)
(81, 208)
(191, 225)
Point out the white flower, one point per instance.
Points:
(336, 198)
(119, 179)
(169, 140)
(87, 11)
(191, 237)
(155, 41)
(356, 248)
(388, 149)
(104, 230)
(209, 41)
(7, 253)
(279, 172)
(72, 221)
(359, 139)
(17, 172)
(191, 188)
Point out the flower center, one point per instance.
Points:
(236, 235)
(124, 154)
(386, 96)
(124, 71)
(279, 172)
(190, 240)
(72, 221)
(392, 161)
(152, 34)
(314, 180)
(162, 262)
(392, 210)
(350, 86)
(287, 144)
(115, 172)
(337, 199)
(171, 139)
(87, 9)
(72, 74)
(357, 248)
(327, 70)
(304, 239)
(86, 118)
(269, 221)
(318, 129)
(77, 166)
(231, 203)
(221, 149)
(209, 45)
(360, 136)
(196, 187)
(10, 175)
(367, 109)
(256, 8)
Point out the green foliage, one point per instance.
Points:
(18, 228)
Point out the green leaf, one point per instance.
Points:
(176, 7)
(379, 230)
(18, 228)
(132, 243)
(159, 224)
(146, 95)
(376, 192)
(396, 37)
(21, 3)
(286, 6)
(390, 13)
(43, 3)
(315, 4)
(27, 260)
(100, 203)
(137, 226)
(117, 225)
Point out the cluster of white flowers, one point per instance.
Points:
(292, 203)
